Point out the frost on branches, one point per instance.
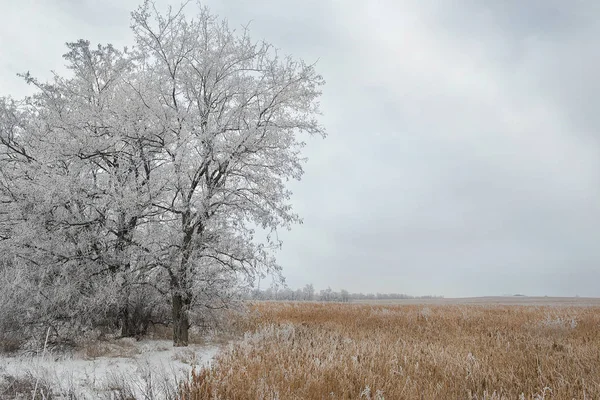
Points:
(130, 188)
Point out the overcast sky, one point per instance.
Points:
(463, 155)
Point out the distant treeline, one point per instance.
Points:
(308, 293)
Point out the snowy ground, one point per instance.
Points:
(148, 369)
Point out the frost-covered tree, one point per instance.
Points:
(77, 171)
(153, 167)
(308, 292)
(232, 112)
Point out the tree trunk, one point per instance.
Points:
(126, 316)
(127, 328)
(180, 321)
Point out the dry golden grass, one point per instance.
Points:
(348, 351)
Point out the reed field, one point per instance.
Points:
(366, 351)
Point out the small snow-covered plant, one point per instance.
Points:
(366, 393)
(558, 322)
(573, 323)
(425, 313)
(542, 395)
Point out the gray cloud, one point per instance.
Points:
(463, 151)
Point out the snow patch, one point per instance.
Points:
(156, 367)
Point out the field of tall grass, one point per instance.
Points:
(354, 351)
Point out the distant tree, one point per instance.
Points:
(344, 296)
(326, 294)
(308, 292)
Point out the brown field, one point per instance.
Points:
(366, 351)
(496, 300)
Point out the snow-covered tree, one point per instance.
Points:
(153, 167)
(232, 111)
(78, 180)
(308, 292)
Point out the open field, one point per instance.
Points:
(454, 351)
(495, 300)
